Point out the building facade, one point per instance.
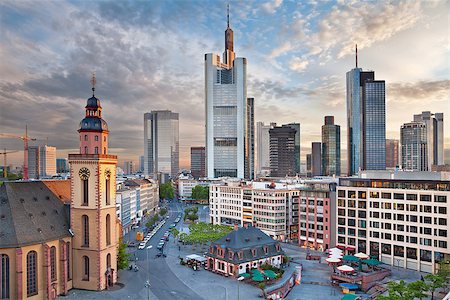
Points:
(392, 153)
(250, 140)
(316, 159)
(62, 165)
(263, 148)
(366, 121)
(434, 124)
(198, 162)
(400, 218)
(282, 151)
(129, 167)
(331, 148)
(41, 162)
(226, 106)
(296, 126)
(161, 143)
(414, 146)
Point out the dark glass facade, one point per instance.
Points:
(282, 151)
(331, 148)
(198, 162)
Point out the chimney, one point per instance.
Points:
(236, 227)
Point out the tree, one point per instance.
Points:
(175, 232)
(434, 282)
(396, 291)
(262, 286)
(200, 192)
(417, 289)
(152, 221)
(122, 256)
(190, 214)
(163, 211)
(166, 190)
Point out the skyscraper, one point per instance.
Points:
(161, 143)
(331, 148)
(61, 165)
(296, 126)
(129, 167)
(250, 140)
(413, 139)
(282, 151)
(141, 163)
(316, 159)
(226, 108)
(198, 162)
(434, 124)
(391, 153)
(262, 147)
(41, 161)
(366, 121)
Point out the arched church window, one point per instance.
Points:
(32, 273)
(85, 268)
(53, 263)
(85, 225)
(108, 230)
(4, 277)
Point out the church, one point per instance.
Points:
(63, 234)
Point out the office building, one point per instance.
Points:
(126, 197)
(296, 126)
(226, 105)
(331, 148)
(414, 147)
(141, 163)
(161, 143)
(400, 218)
(129, 167)
(41, 162)
(392, 153)
(147, 196)
(198, 162)
(250, 140)
(308, 165)
(62, 165)
(262, 148)
(366, 121)
(434, 124)
(316, 159)
(282, 151)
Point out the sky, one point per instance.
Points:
(149, 55)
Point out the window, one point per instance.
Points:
(440, 199)
(399, 251)
(108, 230)
(96, 138)
(386, 195)
(108, 261)
(425, 255)
(86, 150)
(4, 277)
(399, 196)
(104, 150)
(85, 268)
(85, 224)
(386, 249)
(69, 271)
(32, 273)
(412, 197)
(411, 253)
(374, 195)
(107, 191)
(426, 198)
(85, 137)
(96, 150)
(104, 138)
(53, 263)
(85, 184)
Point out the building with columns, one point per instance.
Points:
(59, 235)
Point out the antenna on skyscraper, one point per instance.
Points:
(356, 47)
(93, 82)
(228, 15)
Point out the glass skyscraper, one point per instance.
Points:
(296, 126)
(413, 139)
(331, 148)
(366, 121)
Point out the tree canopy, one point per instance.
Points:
(166, 190)
(163, 211)
(122, 256)
(200, 192)
(202, 233)
(191, 214)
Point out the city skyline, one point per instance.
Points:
(124, 43)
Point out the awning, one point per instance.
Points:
(351, 248)
(340, 246)
(196, 257)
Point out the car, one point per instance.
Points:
(142, 245)
(168, 217)
(132, 244)
(160, 246)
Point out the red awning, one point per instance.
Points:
(351, 248)
(340, 246)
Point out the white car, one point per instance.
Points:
(142, 245)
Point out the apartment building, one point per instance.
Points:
(399, 217)
(147, 195)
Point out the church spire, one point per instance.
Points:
(228, 55)
(228, 15)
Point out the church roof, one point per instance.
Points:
(31, 213)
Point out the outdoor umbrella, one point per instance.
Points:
(335, 250)
(258, 278)
(361, 255)
(345, 268)
(270, 274)
(372, 262)
(350, 258)
(245, 275)
(333, 260)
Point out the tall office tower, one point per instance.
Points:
(308, 165)
(161, 143)
(62, 165)
(413, 140)
(366, 121)
(129, 167)
(141, 163)
(226, 112)
(250, 140)
(262, 147)
(331, 148)
(435, 136)
(41, 161)
(316, 159)
(296, 126)
(198, 160)
(391, 153)
(282, 151)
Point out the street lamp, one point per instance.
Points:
(147, 284)
(239, 279)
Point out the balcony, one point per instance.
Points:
(91, 156)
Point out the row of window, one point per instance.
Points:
(389, 196)
(85, 230)
(394, 217)
(96, 138)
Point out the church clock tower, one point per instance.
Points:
(93, 203)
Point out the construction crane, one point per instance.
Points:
(25, 140)
(4, 161)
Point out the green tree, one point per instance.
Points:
(122, 256)
(175, 232)
(200, 192)
(262, 287)
(396, 291)
(417, 289)
(152, 221)
(434, 282)
(163, 211)
(166, 190)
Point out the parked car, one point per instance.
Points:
(131, 244)
(160, 245)
(142, 245)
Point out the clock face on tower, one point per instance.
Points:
(84, 173)
(107, 173)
